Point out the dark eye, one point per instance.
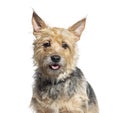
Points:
(64, 45)
(47, 44)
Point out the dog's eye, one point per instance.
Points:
(64, 45)
(47, 44)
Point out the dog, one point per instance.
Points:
(59, 86)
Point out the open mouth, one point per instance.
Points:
(54, 66)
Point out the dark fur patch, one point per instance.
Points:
(91, 94)
(55, 89)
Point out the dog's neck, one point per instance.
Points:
(53, 88)
(52, 80)
(57, 80)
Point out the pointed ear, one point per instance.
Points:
(37, 23)
(78, 28)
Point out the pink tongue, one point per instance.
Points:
(55, 67)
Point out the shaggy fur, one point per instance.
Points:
(59, 87)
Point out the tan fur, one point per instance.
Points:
(56, 37)
(75, 104)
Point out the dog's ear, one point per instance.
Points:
(78, 28)
(37, 23)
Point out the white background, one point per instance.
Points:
(99, 48)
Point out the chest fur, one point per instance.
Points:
(76, 104)
(65, 97)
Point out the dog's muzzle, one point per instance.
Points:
(55, 62)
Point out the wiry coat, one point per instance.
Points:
(71, 95)
(59, 87)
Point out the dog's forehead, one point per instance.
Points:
(61, 31)
(56, 33)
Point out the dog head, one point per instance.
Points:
(55, 50)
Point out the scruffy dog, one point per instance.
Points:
(59, 87)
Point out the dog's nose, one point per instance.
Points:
(55, 58)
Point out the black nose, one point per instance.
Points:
(55, 58)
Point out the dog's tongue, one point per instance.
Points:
(55, 67)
